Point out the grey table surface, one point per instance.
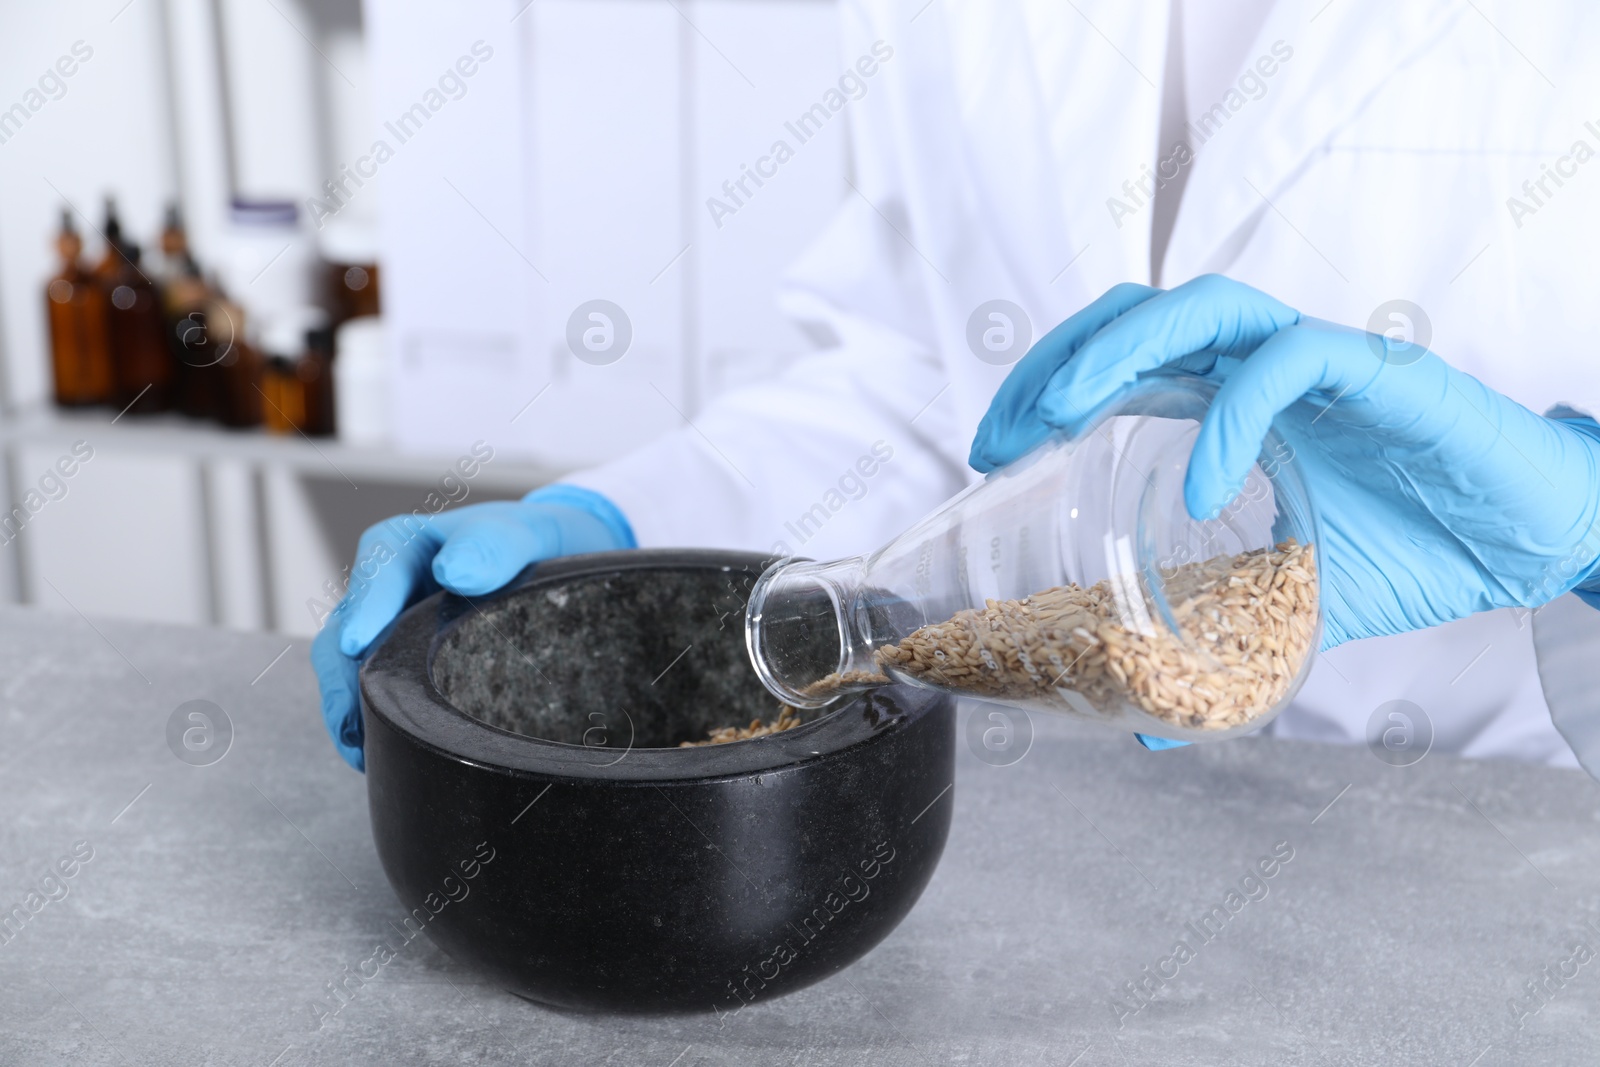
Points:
(221, 900)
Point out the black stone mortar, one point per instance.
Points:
(538, 728)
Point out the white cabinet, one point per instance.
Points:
(606, 122)
(126, 538)
(576, 168)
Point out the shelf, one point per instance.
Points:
(175, 435)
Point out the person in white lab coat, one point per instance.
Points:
(1424, 166)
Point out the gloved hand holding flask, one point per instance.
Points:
(1437, 496)
(1073, 580)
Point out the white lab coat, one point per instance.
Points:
(1375, 164)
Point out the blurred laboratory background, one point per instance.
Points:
(273, 270)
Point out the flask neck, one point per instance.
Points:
(805, 629)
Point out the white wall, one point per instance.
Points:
(790, 49)
(109, 132)
(274, 71)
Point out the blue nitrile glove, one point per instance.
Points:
(472, 551)
(1438, 497)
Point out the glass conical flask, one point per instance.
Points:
(1073, 580)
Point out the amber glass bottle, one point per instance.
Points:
(174, 244)
(139, 349)
(352, 290)
(315, 371)
(240, 400)
(184, 297)
(196, 378)
(114, 260)
(80, 350)
(283, 400)
(182, 288)
(298, 390)
(237, 371)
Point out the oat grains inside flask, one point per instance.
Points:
(1073, 580)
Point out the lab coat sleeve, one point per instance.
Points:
(852, 443)
(834, 457)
